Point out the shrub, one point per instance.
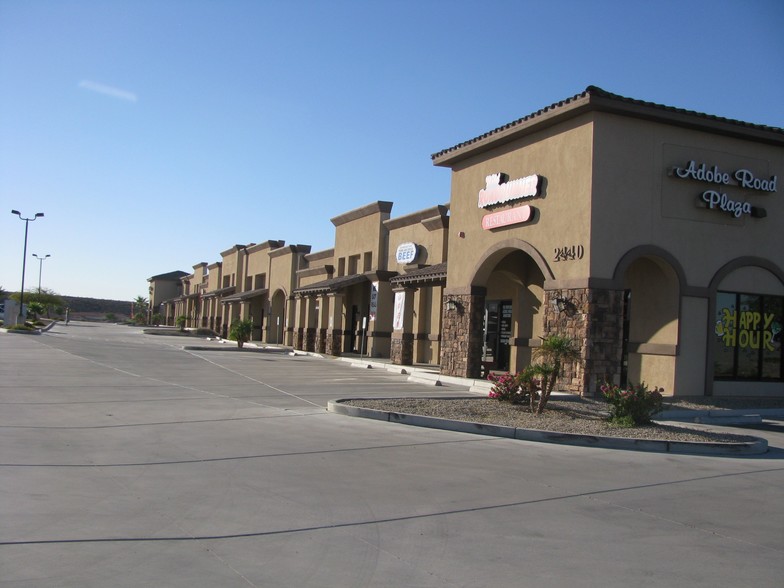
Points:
(633, 405)
(505, 387)
(36, 309)
(240, 331)
(517, 389)
(554, 351)
(180, 321)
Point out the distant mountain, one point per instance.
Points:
(79, 304)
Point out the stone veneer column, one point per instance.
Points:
(298, 327)
(593, 318)
(321, 326)
(334, 338)
(462, 332)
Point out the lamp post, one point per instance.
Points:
(24, 259)
(40, 268)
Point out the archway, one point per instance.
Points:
(745, 342)
(277, 318)
(651, 314)
(509, 280)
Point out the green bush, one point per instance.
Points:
(240, 331)
(180, 321)
(633, 405)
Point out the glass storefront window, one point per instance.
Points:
(748, 337)
(772, 350)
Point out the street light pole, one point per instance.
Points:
(24, 260)
(40, 268)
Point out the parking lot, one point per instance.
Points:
(128, 461)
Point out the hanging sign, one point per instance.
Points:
(373, 300)
(400, 303)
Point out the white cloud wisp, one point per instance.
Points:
(108, 90)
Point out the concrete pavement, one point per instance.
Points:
(126, 461)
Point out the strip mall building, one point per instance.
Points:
(649, 234)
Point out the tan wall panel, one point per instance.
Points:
(563, 157)
(636, 202)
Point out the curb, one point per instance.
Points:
(726, 417)
(756, 447)
(233, 348)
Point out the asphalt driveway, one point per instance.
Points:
(127, 461)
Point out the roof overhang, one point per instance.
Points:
(332, 285)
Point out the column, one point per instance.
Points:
(298, 327)
(336, 313)
(463, 331)
(402, 347)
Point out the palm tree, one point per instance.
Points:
(554, 351)
(240, 331)
(140, 310)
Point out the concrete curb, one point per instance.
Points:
(14, 332)
(756, 447)
(234, 348)
(747, 416)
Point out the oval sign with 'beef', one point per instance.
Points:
(504, 218)
(406, 253)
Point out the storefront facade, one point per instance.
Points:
(646, 233)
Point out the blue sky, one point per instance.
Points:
(156, 134)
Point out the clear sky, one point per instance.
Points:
(155, 134)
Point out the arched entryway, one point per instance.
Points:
(652, 283)
(495, 323)
(277, 318)
(513, 297)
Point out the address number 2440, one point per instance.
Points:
(569, 253)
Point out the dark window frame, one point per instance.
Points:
(760, 369)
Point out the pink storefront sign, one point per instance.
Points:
(504, 218)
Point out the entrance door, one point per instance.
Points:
(627, 307)
(352, 335)
(498, 330)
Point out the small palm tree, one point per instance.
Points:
(180, 321)
(240, 331)
(554, 351)
(36, 309)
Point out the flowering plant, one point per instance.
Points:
(505, 386)
(633, 405)
(516, 388)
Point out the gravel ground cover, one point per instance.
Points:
(580, 416)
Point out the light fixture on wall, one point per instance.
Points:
(563, 305)
(451, 305)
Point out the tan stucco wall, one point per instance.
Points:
(360, 236)
(636, 201)
(563, 156)
(231, 267)
(214, 278)
(431, 244)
